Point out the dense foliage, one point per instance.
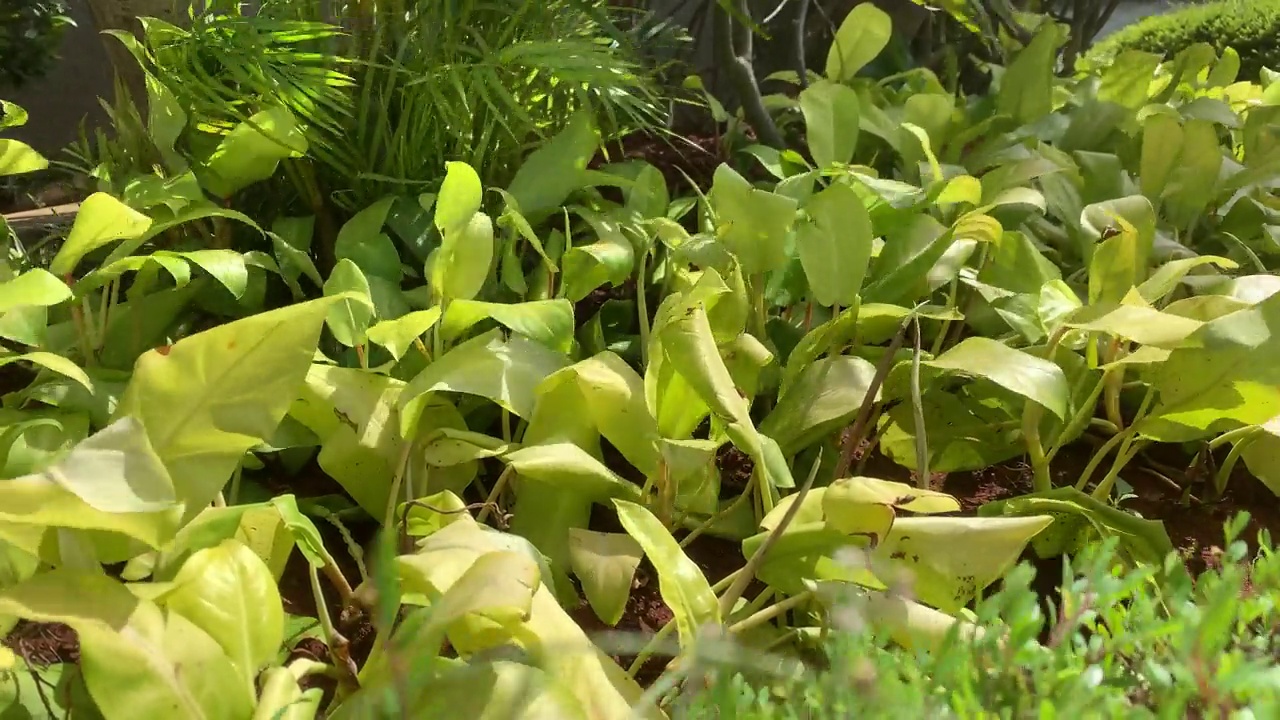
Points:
(1145, 644)
(273, 453)
(30, 33)
(1249, 27)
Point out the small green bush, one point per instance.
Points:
(1140, 643)
(1251, 27)
(30, 31)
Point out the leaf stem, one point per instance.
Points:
(492, 500)
(642, 308)
(854, 436)
(729, 509)
(1229, 464)
(923, 477)
(771, 612)
(748, 572)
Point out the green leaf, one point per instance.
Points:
(349, 318)
(1074, 514)
(1032, 377)
(568, 467)
(953, 558)
(867, 490)
(1119, 262)
(353, 413)
(398, 335)
(613, 397)
(564, 650)
(609, 260)
(460, 197)
(862, 36)
(36, 287)
(1222, 377)
(550, 322)
(17, 158)
(1127, 80)
(554, 171)
(1168, 275)
(1026, 88)
(226, 266)
(461, 265)
(229, 592)
(252, 150)
(964, 432)
(909, 252)
(57, 363)
(752, 223)
(605, 564)
(831, 122)
(835, 245)
(215, 395)
(825, 396)
(112, 484)
(1161, 146)
(682, 584)
(1139, 323)
(137, 661)
(100, 221)
(504, 371)
(362, 241)
(496, 589)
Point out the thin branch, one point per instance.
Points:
(733, 43)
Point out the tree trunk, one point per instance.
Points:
(123, 15)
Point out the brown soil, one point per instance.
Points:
(43, 644)
(587, 307)
(674, 156)
(735, 470)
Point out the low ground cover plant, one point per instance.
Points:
(420, 462)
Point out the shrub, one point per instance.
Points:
(29, 40)
(1251, 27)
(1117, 644)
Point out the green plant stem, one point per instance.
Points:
(854, 437)
(491, 501)
(1081, 419)
(739, 586)
(1032, 414)
(710, 522)
(642, 308)
(772, 612)
(1097, 459)
(923, 477)
(665, 631)
(1232, 436)
(1223, 475)
(83, 316)
(104, 309)
(437, 340)
(1115, 383)
(651, 647)
(402, 466)
(234, 492)
(756, 604)
(1126, 452)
